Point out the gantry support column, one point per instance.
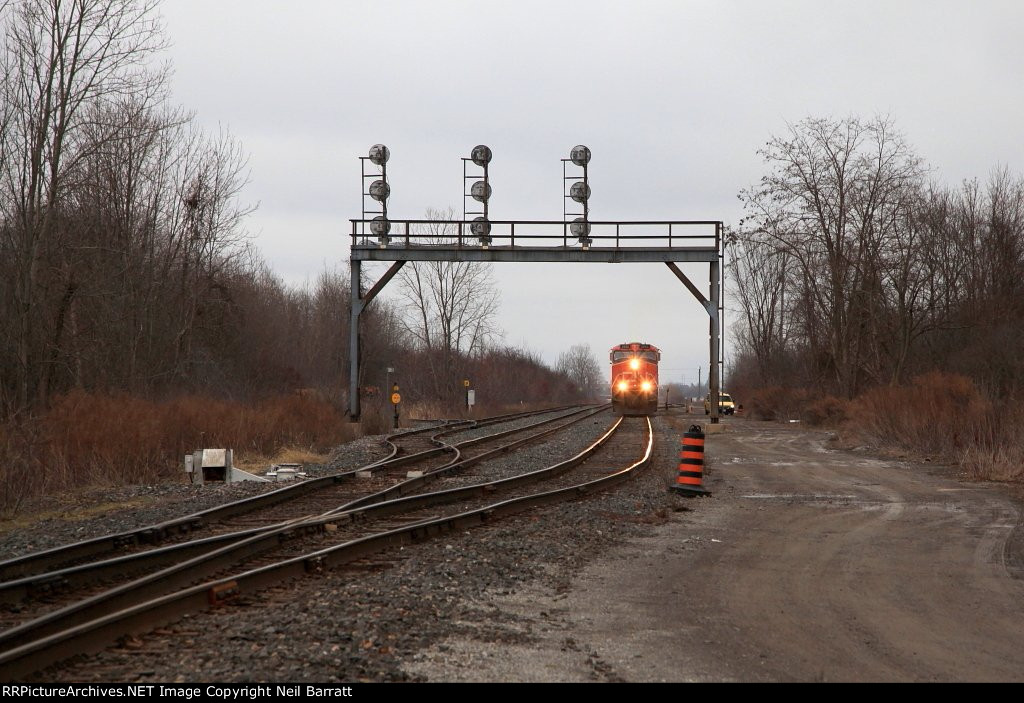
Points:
(359, 303)
(353, 339)
(714, 328)
(711, 307)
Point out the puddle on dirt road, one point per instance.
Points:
(799, 496)
(848, 500)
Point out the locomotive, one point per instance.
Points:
(635, 378)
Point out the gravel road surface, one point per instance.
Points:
(807, 564)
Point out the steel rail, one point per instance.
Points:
(46, 560)
(75, 576)
(94, 634)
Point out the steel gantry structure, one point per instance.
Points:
(579, 240)
(533, 241)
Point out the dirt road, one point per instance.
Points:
(807, 564)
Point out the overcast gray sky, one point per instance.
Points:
(673, 99)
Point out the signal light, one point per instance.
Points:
(579, 227)
(380, 191)
(379, 154)
(380, 227)
(481, 191)
(482, 229)
(481, 155)
(580, 155)
(580, 192)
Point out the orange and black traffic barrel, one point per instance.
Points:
(690, 480)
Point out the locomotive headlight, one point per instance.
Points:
(623, 386)
(634, 363)
(645, 386)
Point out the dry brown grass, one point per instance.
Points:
(777, 403)
(423, 410)
(1004, 463)
(254, 462)
(97, 439)
(997, 452)
(826, 410)
(936, 415)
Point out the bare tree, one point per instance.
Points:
(851, 263)
(581, 367)
(834, 201)
(58, 59)
(760, 273)
(450, 308)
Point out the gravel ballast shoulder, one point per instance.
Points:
(101, 512)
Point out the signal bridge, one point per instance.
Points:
(574, 239)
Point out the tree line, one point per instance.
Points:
(853, 269)
(125, 264)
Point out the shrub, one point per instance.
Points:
(996, 452)
(826, 410)
(934, 415)
(777, 403)
(100, 439)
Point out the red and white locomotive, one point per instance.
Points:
(635, 378)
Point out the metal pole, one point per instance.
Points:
(353, 348)
(384, 201)
(392, 390)
(721, 305)
(715, 347)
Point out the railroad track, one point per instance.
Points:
(416, 447)
(31, 596)
(312, 545)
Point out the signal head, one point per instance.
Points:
(580, 192)
(580, 155)
(379, 154)
(380, 190)
(481, 191)
(481, 155)
(380, 226)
